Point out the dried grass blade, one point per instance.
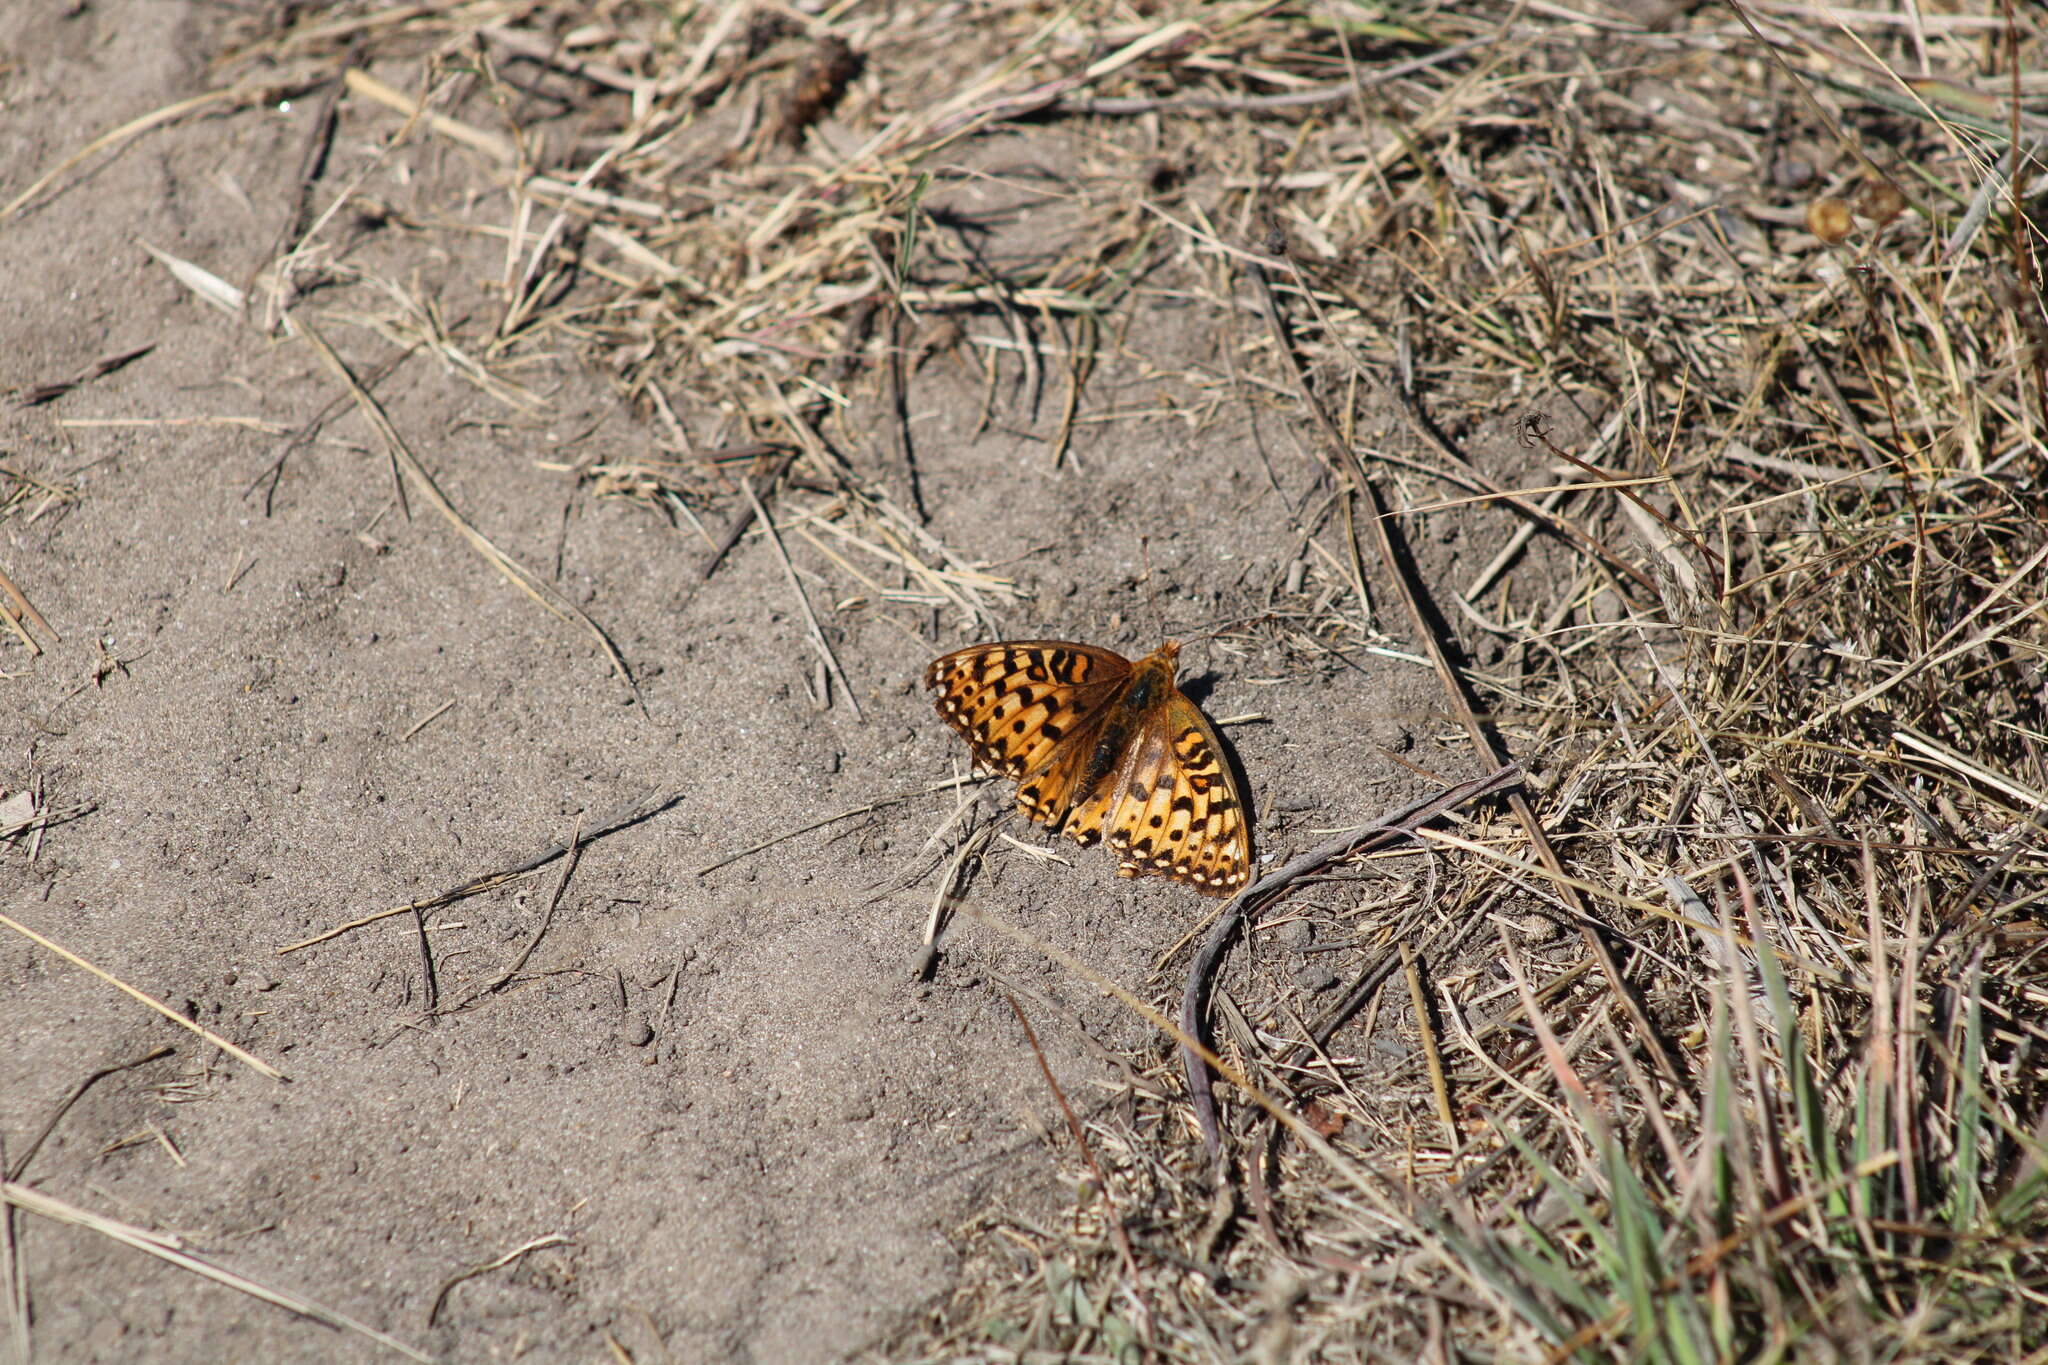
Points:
(51, 945)
(803, 599)
(490, 144)
(553, 1239)
(167, 1248)
(28, 641)
(525, 579)
(170, 113)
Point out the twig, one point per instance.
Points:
(430, 980)
(648, 806)
(297, 440)
(744, 517)
(27, 609)
(165, 1010)
(14, 624)
(313, 152)
(540, 930)
(427, 719)
(553, 1239)
(15, 1275)
(38, 394)
(21, 1163)
(167, 1248)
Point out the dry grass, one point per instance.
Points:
(1764, 626)
(1778, 677)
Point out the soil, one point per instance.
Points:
(752, 1130)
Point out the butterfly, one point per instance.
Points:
(1096, 741)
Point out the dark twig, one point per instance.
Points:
(547, 919)
(12, 1271)
(743, 517)
(20, 1166)
(38, 394)
(313, 152)
(650, 805)
(430, 979)
(899, 411)
(1387, 830)
(15, 1276)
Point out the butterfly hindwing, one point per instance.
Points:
(1176, 810)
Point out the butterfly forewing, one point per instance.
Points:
(1017, 705)
(1098, 744)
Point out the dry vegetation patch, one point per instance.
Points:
(1720, 329)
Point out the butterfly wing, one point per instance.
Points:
(1173, 808)
(1030, 710)
(1051, 713)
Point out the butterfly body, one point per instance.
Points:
(1103, 745)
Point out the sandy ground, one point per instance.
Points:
(752, 1131)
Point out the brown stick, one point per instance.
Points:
(27, 609)
(642, 809)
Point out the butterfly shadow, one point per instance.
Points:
(1196, 687)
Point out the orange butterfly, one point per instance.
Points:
(1095, 740)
